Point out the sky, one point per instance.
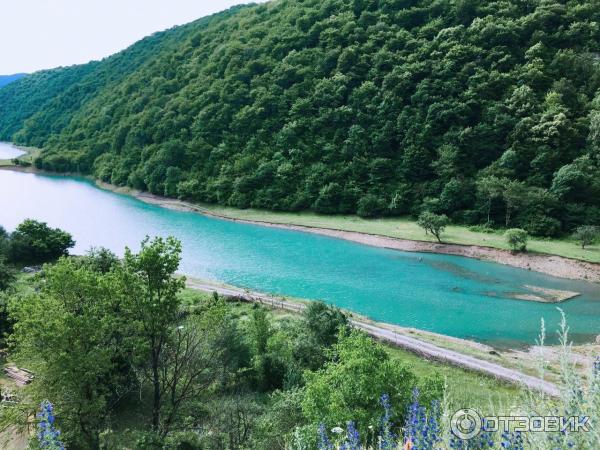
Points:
(42, 34)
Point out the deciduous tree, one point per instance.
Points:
(433, 223)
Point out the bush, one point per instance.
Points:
(7, 275)
(370, 206)
(517, 239)
(100, 260)
(543, 226)
(36, 242)
(349, 387)
(433, 223)
(3, 241)
(485, 228)
(586, 235)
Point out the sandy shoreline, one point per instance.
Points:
(557, 266)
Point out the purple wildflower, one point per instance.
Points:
(324, 442)
(512, 441)
(48, 436)
(387, 435)
(422, 429)
(352, 438)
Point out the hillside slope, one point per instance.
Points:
(474, 109)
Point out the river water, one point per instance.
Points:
(8, 151)
(452, 295)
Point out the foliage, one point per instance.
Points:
(36, 242)
(322, 325)
(348, 387)
(100, 260)
(579, 398)
(433, 223)
(81, 331)
(421, 431)
(7, 274)
(70, 337)
(516, 239)
(342, 106)
(4, 241)
(152, 306)
(586, 235)
(428, 428)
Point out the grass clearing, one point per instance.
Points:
(31, 154)
(465, 389)
(406, 228)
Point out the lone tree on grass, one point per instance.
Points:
(433, 223)
(517, 239)
(586, 234)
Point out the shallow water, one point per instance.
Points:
(452, 295)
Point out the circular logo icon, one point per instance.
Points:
(466, 424)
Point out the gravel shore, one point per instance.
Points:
(557, 266)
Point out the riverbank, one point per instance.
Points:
(520, 367)
(30, 153)
(389, 233)
(554, 265)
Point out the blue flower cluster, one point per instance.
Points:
(423, 430)
(48, 436)
(324, 442)
(352, 441)
(512, 441)
(387, 437)
(483, 441)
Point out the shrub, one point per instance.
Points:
(485, 228)
(348, 388)
(370, 206)
(542, 226)
(586, 235)
(7, 274)
(36, 242)
(517, 239)
(433, 223)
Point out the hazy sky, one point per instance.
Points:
(41, 34)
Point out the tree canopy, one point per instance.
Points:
(483, 111)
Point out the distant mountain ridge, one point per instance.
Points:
(478, 110)
(7, 79)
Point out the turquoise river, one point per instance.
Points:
(456, 296)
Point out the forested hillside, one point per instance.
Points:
(485, 111)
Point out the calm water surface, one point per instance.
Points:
(8, 151)
(452, 295)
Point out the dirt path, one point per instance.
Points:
(399, 339)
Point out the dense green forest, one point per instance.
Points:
(488, 112)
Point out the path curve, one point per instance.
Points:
(409, 343)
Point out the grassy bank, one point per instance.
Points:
(27, 158)
(405, 228)
(396, 227)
